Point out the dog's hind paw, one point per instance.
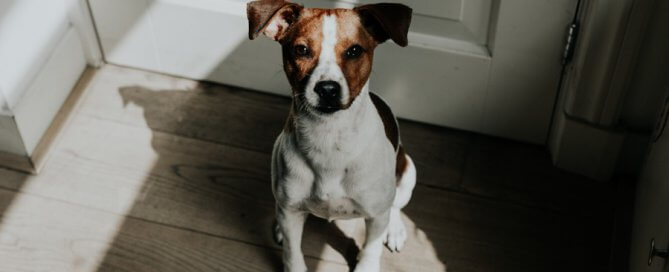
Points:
(397, 233)
(276, 231)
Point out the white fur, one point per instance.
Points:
(327, 68)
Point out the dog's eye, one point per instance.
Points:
(301, 50)
(354, 51)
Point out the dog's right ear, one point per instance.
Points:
(271, 17)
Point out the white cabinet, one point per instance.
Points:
(44, 48)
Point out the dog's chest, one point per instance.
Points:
(335, 208)
(330, 201)
(333, 205)
(331, 144)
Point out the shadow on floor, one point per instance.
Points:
(211, 176)
(205, 204)
(10, 182)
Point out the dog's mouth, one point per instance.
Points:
(327, 109)
(328, 106)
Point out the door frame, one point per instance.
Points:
(586, 136)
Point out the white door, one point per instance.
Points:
(480, 65)
(651, 212)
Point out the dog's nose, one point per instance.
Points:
(327, 90)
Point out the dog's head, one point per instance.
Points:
(328, 53)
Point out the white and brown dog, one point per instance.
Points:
(339, 155)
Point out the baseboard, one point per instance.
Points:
(17, 162)
(51, 136)
(582, 148)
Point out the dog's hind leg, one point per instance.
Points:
(397, 233)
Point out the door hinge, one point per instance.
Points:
(570, 43)
(572, 35)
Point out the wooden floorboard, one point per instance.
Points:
(188, 108)
(176, 163)
(252, 120)
(522, 173)
(183, 182)
(43, 234)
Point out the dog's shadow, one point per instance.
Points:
(215, 143)
(321, 232)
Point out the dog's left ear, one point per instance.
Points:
(386, 21)
(271, 17)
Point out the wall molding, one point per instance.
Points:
(82, 20)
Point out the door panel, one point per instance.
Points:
(526, 47)
(449, 18)
(488, 66)
(447, 9)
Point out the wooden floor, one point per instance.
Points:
(156, 173)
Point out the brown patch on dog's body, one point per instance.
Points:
(392, 133)
(388, 118)
(400, 164)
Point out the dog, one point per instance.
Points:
(339, 155)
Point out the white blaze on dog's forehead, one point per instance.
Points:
(329, 38)
(327, 60)
(327, 68)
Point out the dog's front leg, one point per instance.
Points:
(369, 259)
(291, 224)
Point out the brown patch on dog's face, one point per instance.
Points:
(328, 53)
(352, 53)
(306, 32)
(351, 38)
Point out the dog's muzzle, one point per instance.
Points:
(329, 96)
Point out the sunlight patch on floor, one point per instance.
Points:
(418, 253)
(46, 224)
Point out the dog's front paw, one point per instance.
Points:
(276, 231)
(397, 233)
(368, 265)
(295, 266)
